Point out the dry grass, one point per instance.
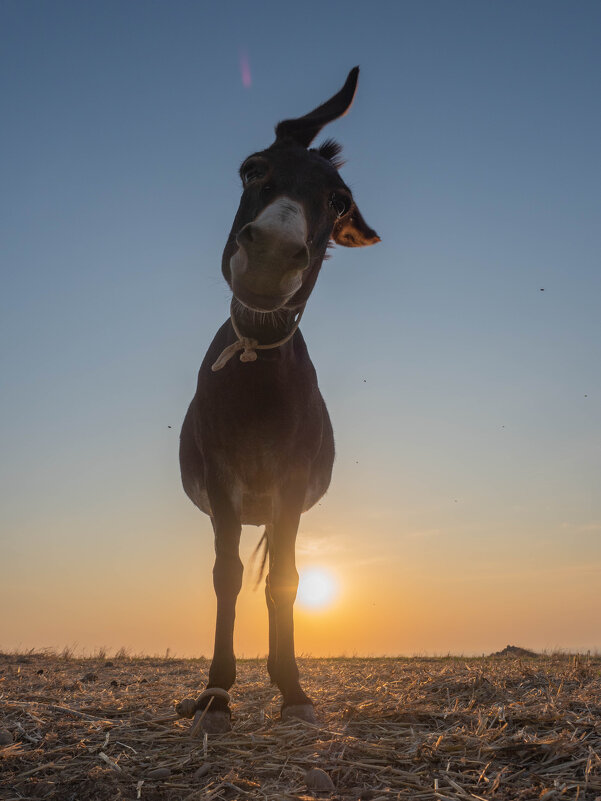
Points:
(502, 728)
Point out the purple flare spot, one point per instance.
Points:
(245, 69)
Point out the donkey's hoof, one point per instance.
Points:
(216, 722)
(299, 712)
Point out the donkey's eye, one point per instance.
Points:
(340, 203)
(251, 173)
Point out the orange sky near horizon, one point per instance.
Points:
(430, 593)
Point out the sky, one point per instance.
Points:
(459, 358)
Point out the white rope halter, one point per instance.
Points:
(248, 345)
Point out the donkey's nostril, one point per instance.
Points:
(300, 258)
(246, 235)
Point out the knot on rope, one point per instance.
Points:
(249, 355)
(245, 344)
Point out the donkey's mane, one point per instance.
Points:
(330, 149)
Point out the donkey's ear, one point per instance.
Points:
(303, 130)
(353, 232)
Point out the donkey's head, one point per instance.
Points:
(293, 203)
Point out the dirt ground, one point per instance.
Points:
(501, 727)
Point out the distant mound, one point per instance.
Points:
(514, 650)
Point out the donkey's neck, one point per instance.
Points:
(265, 327)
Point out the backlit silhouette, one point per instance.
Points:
(257, 444)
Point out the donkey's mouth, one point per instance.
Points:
(263, 285)
(257, 302)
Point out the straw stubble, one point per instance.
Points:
(503, 728)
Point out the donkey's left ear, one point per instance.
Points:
(353, 232)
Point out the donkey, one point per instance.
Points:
(256, 445)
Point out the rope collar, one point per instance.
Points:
(248, 345)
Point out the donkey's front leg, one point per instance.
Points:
(282, 585)
(227, 580)
(273, 639)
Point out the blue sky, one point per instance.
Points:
(459, 358)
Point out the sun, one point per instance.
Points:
(317, 588)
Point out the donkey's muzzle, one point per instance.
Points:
(261, 243)
(272, 254)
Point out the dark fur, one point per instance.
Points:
(257, 444)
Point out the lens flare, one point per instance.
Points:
(245, 69)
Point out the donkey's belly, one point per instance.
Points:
(260, 487)
(257, 502)
(257, 510)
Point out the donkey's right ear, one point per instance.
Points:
(303, 130)
(353, 232)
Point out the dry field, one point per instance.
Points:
(448, 728)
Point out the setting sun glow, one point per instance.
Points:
(317, 588)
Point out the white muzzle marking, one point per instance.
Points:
(285, 219)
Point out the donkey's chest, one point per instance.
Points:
(258, 451)
(261, 435)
